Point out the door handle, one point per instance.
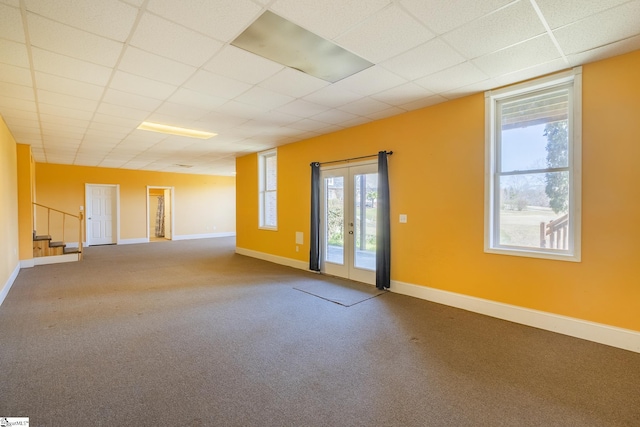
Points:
(351, 232)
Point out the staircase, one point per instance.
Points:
(48, 251)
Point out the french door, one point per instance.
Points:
(348, 222)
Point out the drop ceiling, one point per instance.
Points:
(77, 77)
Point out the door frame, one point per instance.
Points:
(87, 197)
(172, 207)
(352, 272)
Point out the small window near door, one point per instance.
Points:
(268, 189)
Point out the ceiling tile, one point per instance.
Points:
(216, 85)
(65, 112)
(308, 125)
(459, 75)
(332, 96)
(14, 3)
(302, 108)
(164, 38)
(115, 121)
(141, 63)
(11, 23)
(263, 98)
(180, 111)
(327, 18)
(67, 86)
(535, 71)
(141, 86)
(241, 65)
(510, 25)
(471, 89)
(18, 114)
(192, 98)
(518, 57)
(121, 111)
(21, 121)
(388, 33)
(559, 13)
(13, 90)
(131, 100)
(15, 75)
(218, 122)
(600, 29)
(15, 104)
(442, 16)
(372, 80)
(68, 101)
(402, 94)
(423, 103)
(14, 53)
(617, 48)
(111, 19)
(364, 107)
(63, 121)
(221, 19)
(426, 59)
(334, 117)
(389, 112)
(293, 83)
(63, 39)
(75, 69)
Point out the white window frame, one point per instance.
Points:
(262, 191)
(491, 241)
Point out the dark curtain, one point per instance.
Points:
(314, 235)
(383, 230)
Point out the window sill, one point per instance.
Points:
(534, 254)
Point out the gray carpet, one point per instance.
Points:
(188, 333)
(343, 292)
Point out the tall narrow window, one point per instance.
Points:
(533, 169)
(268, 189)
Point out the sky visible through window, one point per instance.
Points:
(524, 148)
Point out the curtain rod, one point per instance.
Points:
(352, 158)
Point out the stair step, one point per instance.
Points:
(38, 238)
(57, 244)
(71, 251)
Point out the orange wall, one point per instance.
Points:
(26, 167)
(201, 203)
(8, 205)
(437, 178)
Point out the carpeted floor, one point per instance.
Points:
(188, 333)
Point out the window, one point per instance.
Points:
(533, 157)
(268, 189)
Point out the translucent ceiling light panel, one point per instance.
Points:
(286, 43)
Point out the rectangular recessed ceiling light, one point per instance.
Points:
(173, 130)
(286, 43)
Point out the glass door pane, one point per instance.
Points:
(334, 219)
(365, 213)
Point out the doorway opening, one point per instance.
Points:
(160, 217)
(348, 221)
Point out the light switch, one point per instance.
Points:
(299, 238)
(403, 218)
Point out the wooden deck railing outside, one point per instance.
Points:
(555, 234)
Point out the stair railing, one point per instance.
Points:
(79, 217)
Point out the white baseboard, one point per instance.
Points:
(75, 244)
(7, 286)
(289, 262)
(55, 259)
(133, 241)
(27, 263)
(597, 332)
(203, 236)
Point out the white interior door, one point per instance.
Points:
(101, 214)
(167, 214)
(348, 222)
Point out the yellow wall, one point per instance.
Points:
(437, 178)
(201, 203)
(8, 205)
(26, 174)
